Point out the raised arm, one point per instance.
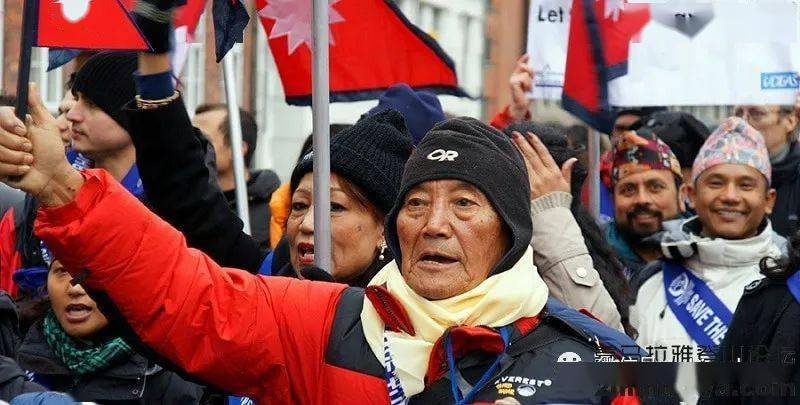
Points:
(520, 83)
(245, 334)
(171, 157)
(560, 252)
(240, 332)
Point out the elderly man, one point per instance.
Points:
(461, 316)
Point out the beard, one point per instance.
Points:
(634, 234)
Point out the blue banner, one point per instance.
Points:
(703, 315)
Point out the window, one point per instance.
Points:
(430, 19)
(472, 56)
(51, 85)
(194, 71)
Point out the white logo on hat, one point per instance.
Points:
(442, 155)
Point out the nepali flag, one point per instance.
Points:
(599, 35)
(88, 24)
(372, 47)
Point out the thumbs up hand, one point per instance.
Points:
(32, 155)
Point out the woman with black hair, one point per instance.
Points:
(606, 262)
(757, 362)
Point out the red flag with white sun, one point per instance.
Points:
(88, 24)
(372, 47)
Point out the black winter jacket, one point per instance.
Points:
(137, 381)
(763, 340)
(171, 157)
(786, 182)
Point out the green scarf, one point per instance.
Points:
(82, 357)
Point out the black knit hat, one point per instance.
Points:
(107, 80)
(370, 154)
(469, 150)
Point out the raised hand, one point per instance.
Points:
(32, 155)
(544, 174)
(521, 82)
(153, 17)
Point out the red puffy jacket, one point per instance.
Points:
(236, 338)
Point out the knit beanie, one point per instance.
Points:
(421, 109)
(641, 152)
(734, 142)
(370, 154)
(107, 80)
(681, 131)
(469, 150)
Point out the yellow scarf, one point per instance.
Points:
(498, 301)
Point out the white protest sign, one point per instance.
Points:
(712, 53)
(548, 34)
(690, 53)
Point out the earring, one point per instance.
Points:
(381, 256)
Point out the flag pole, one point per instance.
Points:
(25, 49)
(320, 100)
(594, 173)
(235, 131)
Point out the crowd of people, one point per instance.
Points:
(466, 267)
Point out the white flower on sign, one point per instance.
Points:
(293, 20)
(613, 8)
(74, 10)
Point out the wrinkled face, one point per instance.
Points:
(450, 238)
(64, 126)
(95, 133)
(731, 201)
(775, 126)
(643, 201)
(210, 123)
(356, 228)
(74, 310)
(622, 124)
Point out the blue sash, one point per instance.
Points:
(240, 401)
(78, 160)
(704, 316)
(396, 394)
(794, 285)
